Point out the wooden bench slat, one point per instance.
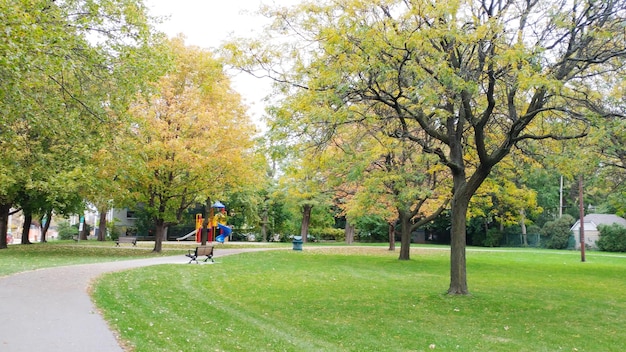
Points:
(126, 239)
(199, 252)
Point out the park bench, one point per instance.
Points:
(199, 252)
(126, 239)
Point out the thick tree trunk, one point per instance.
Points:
(158, 237)
(458, 272)
(349, 233)
(4, 224)
(392, 236)
(83, 229)
(102, 226)
(28, 220)
(306, 220)
(45, 225)
(85, 232)
(405, 236)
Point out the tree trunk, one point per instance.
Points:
(523, 224)
(28, 219)
(85, 232)
(306, 220)
(391, 233)
(102, 225)
(264, 222)
(45, 225)
(486, 226)
(405, 236)
(458, 272)
(349, 233)
(4, 224)
(158, 237)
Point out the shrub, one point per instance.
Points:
(113, 229)
(612, 238)
(329, 234)
(558, 232)
(485, 238)
(533, 229)
(493, 238)
(66, 231)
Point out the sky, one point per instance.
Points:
(207, 23)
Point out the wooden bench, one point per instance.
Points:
(126, 239)
(199, 252)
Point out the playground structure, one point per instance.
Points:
(217, 229)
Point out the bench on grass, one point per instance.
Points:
(199, 252)
(126, 239)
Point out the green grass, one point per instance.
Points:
(364, 299)
(17, 258)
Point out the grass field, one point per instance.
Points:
(364, 299)
(18, 258)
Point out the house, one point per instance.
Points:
(591, 223)
(124, 218)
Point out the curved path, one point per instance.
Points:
(50, 309)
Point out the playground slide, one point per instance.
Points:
(192, 233)
(225, 233)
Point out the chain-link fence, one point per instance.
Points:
(533, 240)
(517, 240)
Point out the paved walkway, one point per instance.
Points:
(50, 310)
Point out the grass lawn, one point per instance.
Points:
(17, 258)
(364, 299)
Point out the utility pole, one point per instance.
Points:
(581, 229)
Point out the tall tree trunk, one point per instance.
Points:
(158, 236)
(306, 220)
(28, 220)
(392, 235)
(85, 232)
(102, 224)
(4, 224)
(45, 225)
(264, 222)
(349, 232)
(405, 236)
(523, 224)
(458, 272)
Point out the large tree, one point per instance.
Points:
(306, 190)
(375, 174)
(609, 145)
(193, 140)
(65, 67)
(476, 77)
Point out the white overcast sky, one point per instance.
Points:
(207, 23)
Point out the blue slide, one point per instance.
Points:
(225, 232)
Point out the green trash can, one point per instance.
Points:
(297, 243)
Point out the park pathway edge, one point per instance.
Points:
(51, 310)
